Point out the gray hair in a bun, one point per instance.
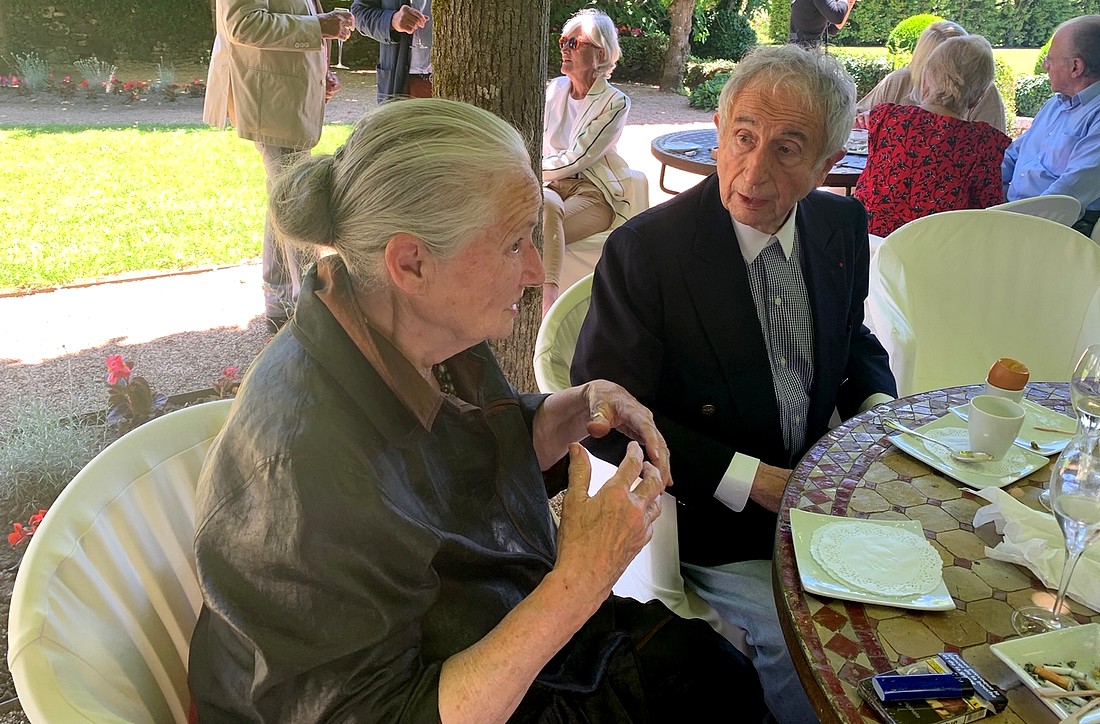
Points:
(432, 168)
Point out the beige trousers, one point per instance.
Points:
(573, 209)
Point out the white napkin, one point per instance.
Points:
(1034, 540)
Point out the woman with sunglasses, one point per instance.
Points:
(584, 177)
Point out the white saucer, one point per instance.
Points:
(680, 147)
(1016, 464)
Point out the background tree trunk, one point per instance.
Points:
(493, 55)
(679, 41)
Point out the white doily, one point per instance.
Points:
(882, 560)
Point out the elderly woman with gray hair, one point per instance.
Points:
(373, 536)
(928, 158)
(584, 116)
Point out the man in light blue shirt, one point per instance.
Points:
(1060, 153)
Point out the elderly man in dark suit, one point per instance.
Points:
(403, 29)
(735, 312)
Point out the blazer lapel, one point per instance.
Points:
(715, 275)
(823, 268)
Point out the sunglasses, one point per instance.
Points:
(571, 43)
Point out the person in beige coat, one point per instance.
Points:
(269, 77)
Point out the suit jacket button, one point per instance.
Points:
(707, 409)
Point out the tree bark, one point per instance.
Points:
(679, 41)
(493, 55)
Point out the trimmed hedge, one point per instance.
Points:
(903, 38)
(729, 36)
(866, 70)
(700, 71)
(706, 94)
(1005, 81)
(1032, 91)
(1039, 69)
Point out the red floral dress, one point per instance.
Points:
(920, 163)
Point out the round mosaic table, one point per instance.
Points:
(855, 472)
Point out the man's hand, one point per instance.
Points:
(408, 20)
(332, 85)
(601, 534)
(336, 25)
(861, 120)
(768, 486)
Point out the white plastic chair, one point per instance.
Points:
(952, 292)
(581, 256)
(1056, 207)
(655, 571)
(107, 596)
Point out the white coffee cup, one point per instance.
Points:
(993, 423)
(1014, 395)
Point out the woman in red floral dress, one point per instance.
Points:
(925, 159)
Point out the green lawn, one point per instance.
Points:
(1021, 60)
(82, 203)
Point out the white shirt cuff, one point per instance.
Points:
(733, 490)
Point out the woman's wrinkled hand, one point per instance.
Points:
(600, 534)
(610, 406)
(861, 121)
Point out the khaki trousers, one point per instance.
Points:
(573, 208)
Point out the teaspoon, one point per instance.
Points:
(964, 456)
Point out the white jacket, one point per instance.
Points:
(267, 72)
(592, 140)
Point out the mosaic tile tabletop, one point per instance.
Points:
(855, 472)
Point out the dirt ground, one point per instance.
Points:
(57, 358)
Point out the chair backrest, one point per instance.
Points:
(557, 337)
(1056, 207)
(952, 292)
(107, 596)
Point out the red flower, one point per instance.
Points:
(17, 534)
(117, 369)
(230, 372)
(36, 519)
(84, 83)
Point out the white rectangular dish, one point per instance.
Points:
(816, 579)
(1079, 644)
(1016, 464)
(1036, 416)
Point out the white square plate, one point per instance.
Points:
(1017, 462)
(1046, 443)
(857, 142)
(815, 579)
(1078, 643)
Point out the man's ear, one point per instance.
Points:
(407, 260)
(828, 166)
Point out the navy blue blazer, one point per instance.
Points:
(373, 18)
(673, 321)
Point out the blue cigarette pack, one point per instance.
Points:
(905, 687)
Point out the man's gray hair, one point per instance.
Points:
(816, 79)
(437, 169)
(1085, 41)
(600, 29)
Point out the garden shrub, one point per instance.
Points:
(866, 70)
(903, 38)
(728, 35)
(1005, 81)
(706, 94)
(779, 20)
(700, 71)
(1039, 69)
(1032, 91)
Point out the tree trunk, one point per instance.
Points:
(679, 41)
(493, 55)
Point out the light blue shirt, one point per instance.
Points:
(1060, 153)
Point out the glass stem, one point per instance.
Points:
(1063, 586)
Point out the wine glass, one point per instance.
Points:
(420, 6)
(1074, 493)
(1084, 390)
(340, 49)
